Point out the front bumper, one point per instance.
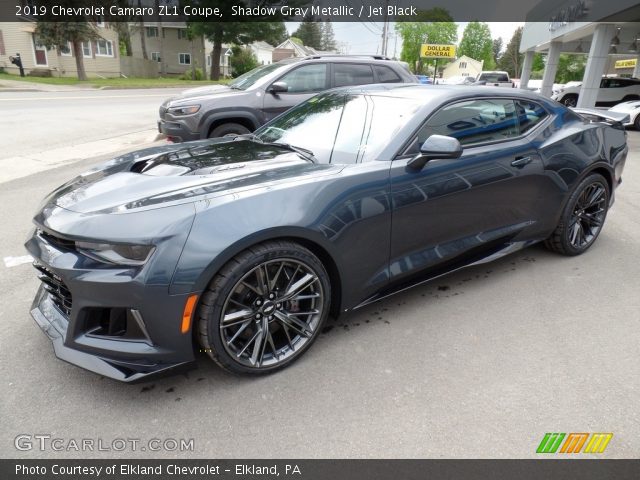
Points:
(54, 325)
(110, 320)
(176, 131)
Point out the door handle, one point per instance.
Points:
(520, 162)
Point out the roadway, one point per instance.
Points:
(46, 129)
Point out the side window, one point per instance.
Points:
(345, 74)
(308, 78)
(473, 121)
(529, 114)
(349, 136)
(386, 75)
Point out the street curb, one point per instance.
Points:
(11, 89)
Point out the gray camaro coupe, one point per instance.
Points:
(246, 244)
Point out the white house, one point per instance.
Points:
(263, 52)
(462, 67)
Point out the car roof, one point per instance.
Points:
(427, 93)
(342, 58)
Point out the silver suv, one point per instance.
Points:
(256, 97)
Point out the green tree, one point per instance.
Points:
(242, 60)
(476, 43)
(511, 60)
(570, 67)
(268, 29)
(328, 42)
(431, 26)
(277, 34)
(310, 32)
(54, 34)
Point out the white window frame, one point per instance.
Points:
(157, 57)
(180, 59)
(463, 64)
(84, 53)
(152, 29)
(182, 34)
(208, 60)
(109, 45)
(35, 58)
(70, 47)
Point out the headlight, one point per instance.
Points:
(184, 110)
(117, 254)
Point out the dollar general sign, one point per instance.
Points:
(429, 50)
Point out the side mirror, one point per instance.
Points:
(435, 147)
(278, 87)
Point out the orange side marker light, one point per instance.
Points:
(188, 313)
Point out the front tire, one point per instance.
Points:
(582, 218)
(265, 308)
(570, 100)
(227, 129)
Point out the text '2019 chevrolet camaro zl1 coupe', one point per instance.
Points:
(245, 244)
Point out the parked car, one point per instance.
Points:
(495, 78)
(612, 91)
(245, 244)
(458, 80)
(265, 92)
(536, 86)
(632, 109)
(424, 80)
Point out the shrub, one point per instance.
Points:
(242, 60)
(188, 75)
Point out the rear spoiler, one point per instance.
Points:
(606, 116)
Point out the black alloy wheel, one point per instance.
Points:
(265, 308)
(583, 217)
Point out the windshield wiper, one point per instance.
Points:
(308, 154)
(252, 137)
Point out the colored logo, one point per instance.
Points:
(573, 442)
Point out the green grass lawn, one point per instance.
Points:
(113, 82)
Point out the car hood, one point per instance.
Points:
(626, 106)
(210, 91)
(186, 172)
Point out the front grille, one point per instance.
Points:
(60, 294)
(57, 241)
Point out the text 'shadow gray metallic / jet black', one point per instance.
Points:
(246, 244)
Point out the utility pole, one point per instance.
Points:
(385, 29)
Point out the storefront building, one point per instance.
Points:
(605, 31)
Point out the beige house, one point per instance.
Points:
(101, 57)
(462, 67)
(289, 48)
(180, 52)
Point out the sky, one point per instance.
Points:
(365, 37)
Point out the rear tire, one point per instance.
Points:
(636, 122)
(264, 309)
(582, 218)
(570, 100)
(228, 128)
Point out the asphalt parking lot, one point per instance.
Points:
(479, 364)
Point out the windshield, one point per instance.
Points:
(340, 128)
(246, 80)
(494, 77)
